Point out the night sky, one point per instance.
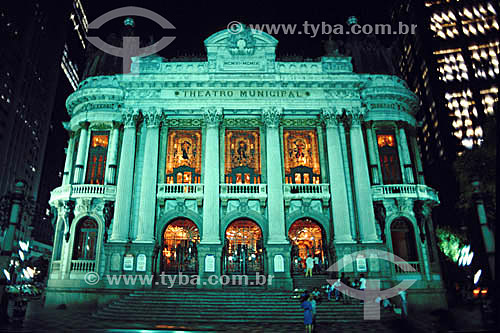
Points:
(195, 22)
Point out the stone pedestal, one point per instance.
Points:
(279, 263)
(209, 265)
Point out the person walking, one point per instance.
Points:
(308, 313)
(316, 264)
(309, 266)
(404, 303)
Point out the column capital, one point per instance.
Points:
(271, 116)
(329, 117)
(130, 118)
(153, 117)
(84, 125)
(212, 116)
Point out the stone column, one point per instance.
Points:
(404, 154)
(373, 154)
(147, 208)
(123, 202)
(69, 159)
(418, 160)
(364, 201)
(211, 218)
(275, 207)
(113, 154)
(344, 123)
(338, 188)
(82, 152)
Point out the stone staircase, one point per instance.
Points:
(309, 283)
(222, 306)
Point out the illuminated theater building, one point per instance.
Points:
(240, 164)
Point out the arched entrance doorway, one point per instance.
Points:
(403, 240)
(179, 247)
(307, 238)
(243, 251)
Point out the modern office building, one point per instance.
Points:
(31, 49)
(241, 164)
(451, 63)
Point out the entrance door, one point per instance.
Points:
(179, 250)
(243, 251)
(306, 237)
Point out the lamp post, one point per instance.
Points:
(487, 233)
(17, 198)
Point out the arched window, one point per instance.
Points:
(389, 160)
(96, 165)
(403, 240)
(85, 240)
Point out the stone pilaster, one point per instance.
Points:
(211, 212)
(364, 201)
(338, 187)
(82, 152)
(123, 203)
(276, 211)
(147, 208)
(113, 154)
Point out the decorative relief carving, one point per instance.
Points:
(130, 118)
(242, 43)
(153, 117)
(329, 117)
(212, 116)
(271, 116)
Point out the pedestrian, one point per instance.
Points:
(346, 293)
(309, 266)
(329, 289)
(337, 285)
(313, 301)
(362, 285)
(316, 264)
(404, 303)
(317, 295)
(308, 314)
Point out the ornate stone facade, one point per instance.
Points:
(242, 139)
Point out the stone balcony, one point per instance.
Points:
(67, 192)
(410, 191)
(181, 191)
(306, 192)
(243, 192)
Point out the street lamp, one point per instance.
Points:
(488, 237)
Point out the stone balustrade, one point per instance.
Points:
(411, 191)
(67, 192)
(243, 191)
(306, 191)
(181, 191)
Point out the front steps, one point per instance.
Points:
(205, 306)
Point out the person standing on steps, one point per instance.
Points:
(309, 266)
(308, 313)
(362, 284)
